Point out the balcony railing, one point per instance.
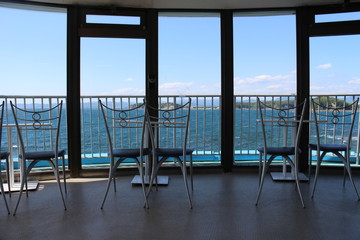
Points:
(204, 134)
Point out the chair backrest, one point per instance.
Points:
(334, 123)
(125, 125)
(40, 127)
(171, 124)
(281, 122)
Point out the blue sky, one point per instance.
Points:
(33, 57)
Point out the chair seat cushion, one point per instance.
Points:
(129, 152)
(169, 152)
(329, 147)
(40, 155)
(4, 155)
(278, 150)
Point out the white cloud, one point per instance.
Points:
(171, 85)
(129, 79)
(317, 87)
(266, 84)
(354, 81)
(324, 66)
(275, 86)
(334, 89)
(261, 78)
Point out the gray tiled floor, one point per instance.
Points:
(223, 209)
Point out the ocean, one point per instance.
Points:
(204, 135)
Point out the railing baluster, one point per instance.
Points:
(204, 132)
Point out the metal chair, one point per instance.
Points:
(41, 129)
(281, 130)
(169, 126)
(4, 155)
(125, 130)
(334, 127)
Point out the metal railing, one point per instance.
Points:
(9, 138)
(204, 133)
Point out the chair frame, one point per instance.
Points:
(169, 120)
(125, 121)
(39, 121)
(337, 116)
(281, 120)
(2, 105)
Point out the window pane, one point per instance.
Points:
(32, 52)
(112, 69)
(189, 64)
(112, 66)
(111, 19)
(334, 65)
(337, 17)
(189, 55)
(265, 55)
(32, 67)
(264, 64)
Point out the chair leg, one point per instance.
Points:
(26, 182)
(352, 180)
(64, 173)
(55, 167)
(141, 172)
(22, 184)
(260, 167)
(154, 170)
(184, 173)
(344, 172)
(348, 169)
(344, 175)
(318, 163)
(114, 180)
(298, 188)
(26, 188)
(111, 167)
(111, 177)
(191, 173)
(298, 181)
(3, 193)
(310, 165)
(8, 175)
(264, 168)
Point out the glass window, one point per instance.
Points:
(112, 19)
(112, 69)
(337, 17)
(334, 65)
(32, 52)
(335, 81)
(264, 66)
(189, 65)
(265, 54)
(32, 64)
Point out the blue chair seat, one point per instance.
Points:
(4, 155)
(130, 152)
(329, 147)
(41, 155)
(172, 152)
(278, 150)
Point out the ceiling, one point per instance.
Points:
(200, 4)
